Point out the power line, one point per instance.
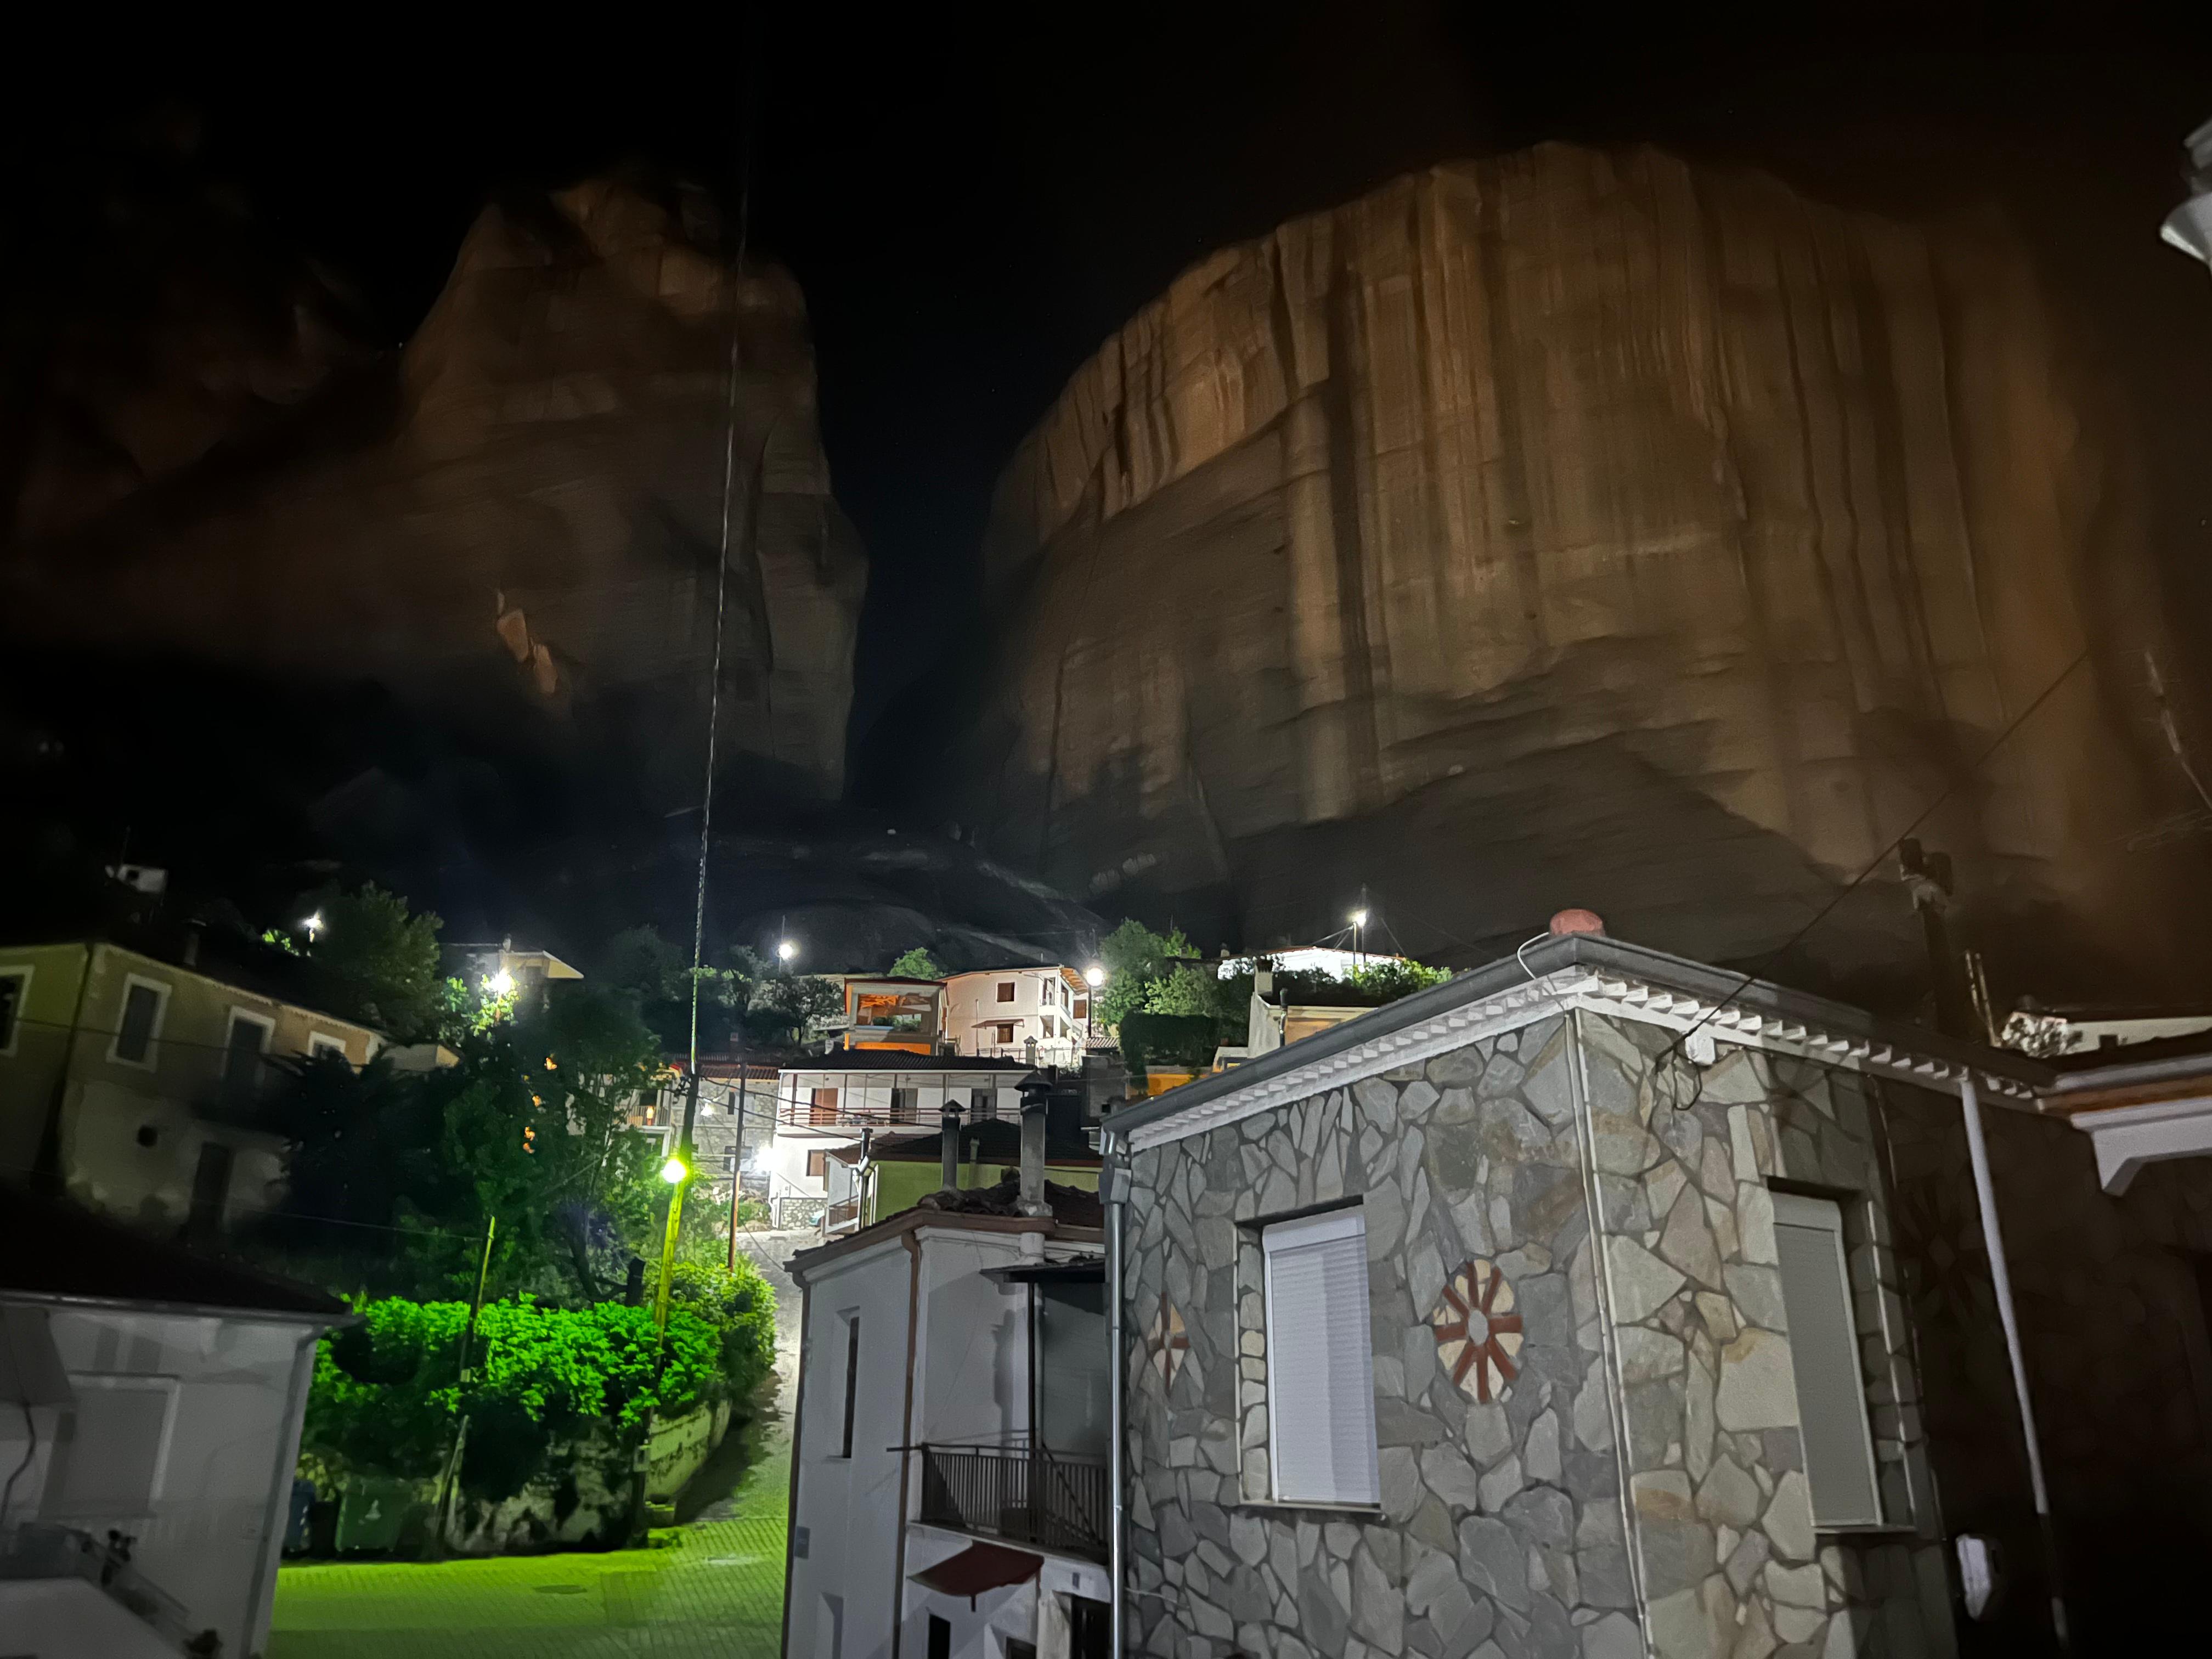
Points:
(1876, 862)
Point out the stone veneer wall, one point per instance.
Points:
(1502, 1532)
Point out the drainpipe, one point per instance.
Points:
(1970, 1105)
(1117, 1207)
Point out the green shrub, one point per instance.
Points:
(1187, 1040)
(388, 1395)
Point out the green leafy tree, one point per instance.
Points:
(1187, 990)
(792, 1005)
(1134, 958)
(917, 963)
(380, 960)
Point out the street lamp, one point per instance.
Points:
(500, 984)
(313, 925)
(1094, 977)
(2189, 227)
(786, 950)
(674, 1170)
(1359, 919)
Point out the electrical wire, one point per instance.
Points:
(1879, 858)
(30, 1451)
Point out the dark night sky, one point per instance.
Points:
(972, 206)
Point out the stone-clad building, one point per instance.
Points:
(1630, 1327)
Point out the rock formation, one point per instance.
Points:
(512, 525)
(1573, 527)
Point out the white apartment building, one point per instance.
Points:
(828, 1100)
(1039, 1015)
(949, 1479)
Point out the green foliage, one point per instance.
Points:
(380, 959)
(531, 1128)
(1135, 957)
(792, 1004)
(1189, 990)
(917, 963)
(738, 1301)
(387, 1394)
(1393, 978)
(1183, 1040)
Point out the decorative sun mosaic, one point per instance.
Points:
(1166, 1342)
(1478, 1334)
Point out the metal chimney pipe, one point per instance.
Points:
(949, 1157)
(1036, 1100)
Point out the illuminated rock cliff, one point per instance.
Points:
(1572, 527)
(512, 525)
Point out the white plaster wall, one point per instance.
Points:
(980, 1633)
(849, 1506)
(212, 1535)
(972, 1360)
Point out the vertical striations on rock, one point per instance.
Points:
(1567, 526)
(513, 526)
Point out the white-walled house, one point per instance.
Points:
(165, 1394)
(828, 1100)
(949, 1479)
(1003, 1011)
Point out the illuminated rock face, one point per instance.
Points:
(512, 525)
(1569, 527)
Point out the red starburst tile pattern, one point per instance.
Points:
(1478, 1335)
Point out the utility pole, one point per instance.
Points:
(1928, 878)
(452, 1480)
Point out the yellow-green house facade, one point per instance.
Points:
(137, 1079)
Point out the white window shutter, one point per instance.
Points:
(1824, 1352)
(1321, 1371)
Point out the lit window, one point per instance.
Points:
(1321, 1371)
(1823, 1351)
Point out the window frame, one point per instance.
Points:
(322, 1042)
(1818, 1212)
(1333, 1225)
(152, 1058)
(817, 1165)
(171, 1387)
(22, 973)
(1006, 992)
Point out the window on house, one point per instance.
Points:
(852, 1379)
(323, 1043)
(822, 1107)
(1823, 1351)
(817, 1166)
(1005, 1030)
(1006, 990)
(981, 1103)
(13, 983)
(243, 1048)
(1321, 1369)
(906, 1105)
(1083, 1008)
(140, 1024)
(109, 1463)
(940, 1638)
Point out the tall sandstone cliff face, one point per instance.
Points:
(1570, 527)
(513, 526)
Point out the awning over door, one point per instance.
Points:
(978, 1568)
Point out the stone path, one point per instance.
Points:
(709, 1590)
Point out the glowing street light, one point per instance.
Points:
(786, 950)
(674, 1171)
(501, 983)
(1094, 977)
(313, 925)
(1359, 925)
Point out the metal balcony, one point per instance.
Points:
(1025, 1494)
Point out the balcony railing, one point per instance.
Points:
(1026, 1494)
(44, 1551)
(808, 1114)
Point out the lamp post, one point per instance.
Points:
(677, 1172)
(2189, 227)
(1359, 919)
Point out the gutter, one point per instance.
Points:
(2173, 1069)
(1117, 1209)
(1600, 954)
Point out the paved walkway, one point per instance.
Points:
(713, 1589)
